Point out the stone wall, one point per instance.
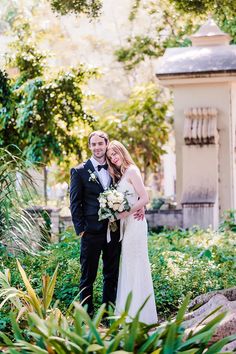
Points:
(172, 218)
(155, 218)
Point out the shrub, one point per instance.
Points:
(48, 331)
(195, 261)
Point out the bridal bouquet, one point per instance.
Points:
(112, 203)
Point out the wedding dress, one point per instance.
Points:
(134, 272)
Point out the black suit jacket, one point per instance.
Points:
(84, 204)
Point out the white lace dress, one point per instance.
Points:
(135, 272)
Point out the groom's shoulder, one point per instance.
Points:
(80, 167)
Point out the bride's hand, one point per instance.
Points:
(139, 214)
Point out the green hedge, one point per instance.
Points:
(195, 261)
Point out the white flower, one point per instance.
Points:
(110, 204)
(121, 208)
(116, 206)
(110, 197)
(119, 199)
(92, 177)
(102, 201)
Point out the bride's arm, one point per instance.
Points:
(136, 180)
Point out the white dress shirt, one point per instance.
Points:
(103, 174)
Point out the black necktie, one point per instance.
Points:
(103, 166)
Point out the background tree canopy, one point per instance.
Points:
(87, 7)
(42, 114)
(140, 123)
(223, 11)
(172, 22)
(92, 8)
(206, 6)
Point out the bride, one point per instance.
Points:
(135, 272)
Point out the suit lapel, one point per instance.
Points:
(110, 183)
(89, 167)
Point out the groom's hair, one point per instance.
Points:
(99, 133)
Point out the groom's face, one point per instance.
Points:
(98, 146)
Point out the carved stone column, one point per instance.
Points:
(200, 167)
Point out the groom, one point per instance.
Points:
(88, 180)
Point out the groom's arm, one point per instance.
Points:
(76, 200)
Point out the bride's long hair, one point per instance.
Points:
(115, 172)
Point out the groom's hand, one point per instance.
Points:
(139, 214)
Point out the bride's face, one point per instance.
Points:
(114, 157)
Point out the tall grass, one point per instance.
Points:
(18, 230)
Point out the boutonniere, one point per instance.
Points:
(93, 177)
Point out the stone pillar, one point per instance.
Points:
(203, 80)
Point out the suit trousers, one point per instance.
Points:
(92, 246)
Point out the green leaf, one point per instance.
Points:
(182, 310)
(31, 347)
(216, 347)
(115, 342)
(212, 323)
(206, 253)
(169, 345)
(158, 351)
(7, 340)
(49, 290)
(92, 329)
(121, 352)
(152, 340)
(76, 338)
(189, 351)
(128, 302)
(99, 315)
(32, 295)
(209, 315)
(16, 328)
(202, 337)
(94, 347)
